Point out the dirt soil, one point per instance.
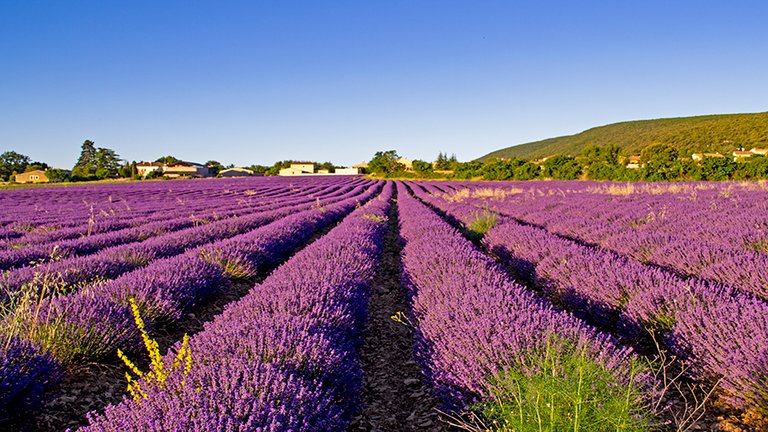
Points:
(394, 398)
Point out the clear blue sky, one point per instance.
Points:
(260, 81)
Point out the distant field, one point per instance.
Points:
(338, 303)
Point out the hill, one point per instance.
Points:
(710, 133)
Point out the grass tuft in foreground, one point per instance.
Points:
(563, 389)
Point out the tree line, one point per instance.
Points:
(658, 162)
(99, 163)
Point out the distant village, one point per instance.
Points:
(656, 162)
(183, 169)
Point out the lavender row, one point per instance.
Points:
(66, 207)
(709, 326)
(141, 213)
(284, 357)
(70, 274)
(472, 322)
(138, 230)
(722, 239)
(93, 323)
(720, 332)
(45, 222)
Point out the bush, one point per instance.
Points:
(564, 389)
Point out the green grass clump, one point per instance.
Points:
(481, 224)
(563, 389)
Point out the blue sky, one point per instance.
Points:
(261, 81)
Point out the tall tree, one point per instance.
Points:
(87, 162)
(442, 163)
(107, 163)
(214, 167)
(12, 162)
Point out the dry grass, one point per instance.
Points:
(486, 193)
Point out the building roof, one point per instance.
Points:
(32, 172)
(186, 163)
(742, 153)
(245, 170)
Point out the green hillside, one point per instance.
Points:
(711, 133)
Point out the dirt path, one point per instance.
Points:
(394, 398)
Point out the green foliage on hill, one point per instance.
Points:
(711, 133)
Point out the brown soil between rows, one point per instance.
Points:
(394, 397)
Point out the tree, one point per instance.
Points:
(498, 169)
(452, 161)
(527, 171)
(327, 166)
(442, 163)
(385, 163)
(214, 167)
(96, 163)
(422, 167)
(754, 167)
(275, 169)
(170, 160)
(12, 163)
(468, 170)
(86, 165)
(660, 160)
(107, 163)
(258, 168)
(716, 168)
(562, 167)
(608, 154)
(56, 175)
(127, 170)
(510, 169)
(36, 165)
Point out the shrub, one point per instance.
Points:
(481, 224)
(562, 388)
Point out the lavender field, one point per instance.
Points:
(349, 304)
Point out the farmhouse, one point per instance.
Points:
(235, 172)
(185, 169)
(144, 168)
(178, 169)
(298, 168)
(347, 171)
(698, 157)
(741, 154)
(407, 163)
(759, 151)
(36, 176)
(633, 162)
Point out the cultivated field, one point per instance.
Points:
(333, 304)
